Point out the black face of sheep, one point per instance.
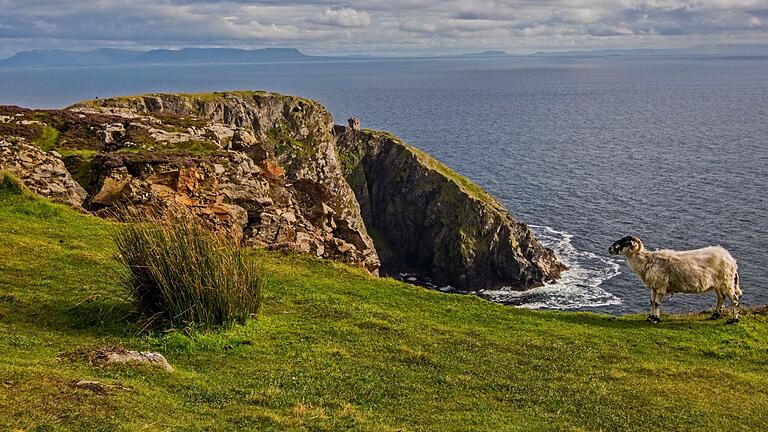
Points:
(626, 245)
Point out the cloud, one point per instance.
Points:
(384, 26)
(344, 17)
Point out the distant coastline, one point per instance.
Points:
(116, 57)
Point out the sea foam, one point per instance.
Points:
(578, 287)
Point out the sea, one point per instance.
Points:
(584, 150)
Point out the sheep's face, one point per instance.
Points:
(628, 245)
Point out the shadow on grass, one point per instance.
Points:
(93, 317)
(103, 316)
(633, 322)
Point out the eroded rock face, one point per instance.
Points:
(233, 195)
(42, 172)
(431, 221)
(268, 176)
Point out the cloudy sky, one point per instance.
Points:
(379, 26)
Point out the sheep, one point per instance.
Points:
(694, 271)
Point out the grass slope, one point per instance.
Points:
(335, 349)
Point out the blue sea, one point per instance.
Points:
(585, 150)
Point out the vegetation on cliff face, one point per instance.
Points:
(336, 349)
(47, 139)
(466, 185)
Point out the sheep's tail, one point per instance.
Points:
(736, 286)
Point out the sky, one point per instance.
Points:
(384, 27)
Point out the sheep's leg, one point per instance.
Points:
(735, 303)
(655, 300)
(718, 313)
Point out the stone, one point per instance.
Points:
(289, 216)
(281, 156)
(112, 133)
(111, 191)
(243, 139)
(115, 355)
(271, 170)
(42, 173)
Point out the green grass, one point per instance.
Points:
(47, 139)
(335, 349)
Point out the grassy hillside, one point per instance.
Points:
(334, 349)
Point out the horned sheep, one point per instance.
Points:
(693, 271)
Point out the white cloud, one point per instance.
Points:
(384, 26)
(344, 17)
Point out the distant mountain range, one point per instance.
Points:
(112, 57)
(109, 57)
(714, 50)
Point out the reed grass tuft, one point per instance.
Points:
(181, 274)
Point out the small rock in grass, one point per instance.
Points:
(115, 355)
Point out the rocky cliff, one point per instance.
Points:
(269, 170)
(259, 166)
(431, 221)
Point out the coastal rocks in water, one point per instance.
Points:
(42, 172)
(431, 221)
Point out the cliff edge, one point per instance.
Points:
(431, 221)
(272, 170)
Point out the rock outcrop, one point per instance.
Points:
(264, 169)
(431, 221)
(269, 170)
(42, 172)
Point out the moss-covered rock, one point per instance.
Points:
(41, 172)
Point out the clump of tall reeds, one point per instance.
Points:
(181, 274)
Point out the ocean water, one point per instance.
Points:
(586, 151)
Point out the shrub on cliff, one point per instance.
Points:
(179, 273)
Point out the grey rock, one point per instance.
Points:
(113, 355)
(43, 173)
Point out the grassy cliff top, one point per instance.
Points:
(219, 96)
(335, 349)
(463, 183)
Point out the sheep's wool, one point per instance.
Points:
(668, 271)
